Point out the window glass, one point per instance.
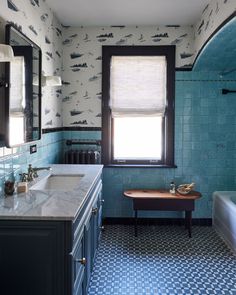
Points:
(138, 105)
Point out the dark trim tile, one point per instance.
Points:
(156, 221)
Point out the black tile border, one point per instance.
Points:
(156, 221)
(184, 69)
(82, 128)
(50, 130)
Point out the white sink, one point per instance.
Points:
(59, 182)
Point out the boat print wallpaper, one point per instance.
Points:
(82, 60)
(213, 15)
(36, 20)
(82, 63)
(75, 53)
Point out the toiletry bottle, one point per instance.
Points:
(9, 187)
(172, 187)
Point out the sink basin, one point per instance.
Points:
(58, 182)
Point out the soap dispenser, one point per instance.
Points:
(172, 188)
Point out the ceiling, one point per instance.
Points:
(127, 12)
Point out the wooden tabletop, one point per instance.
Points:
(159, 194)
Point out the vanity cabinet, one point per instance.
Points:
(51, 257)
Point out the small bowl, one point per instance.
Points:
(183, 192)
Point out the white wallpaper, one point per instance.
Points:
(81, 97)
(82, 64)
(82, 56)
(35, 19)
(213, 16)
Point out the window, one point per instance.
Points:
(17, 101)
(138, 105)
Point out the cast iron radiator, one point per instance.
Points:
(82, 156)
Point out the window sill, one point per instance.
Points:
(138, 166)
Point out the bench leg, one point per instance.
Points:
(136, 223)
(188, 222)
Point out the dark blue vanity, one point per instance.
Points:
(48, 253)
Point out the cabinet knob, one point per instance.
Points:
(102, 201)
(94, 211)
(102, 227)
(81, 261)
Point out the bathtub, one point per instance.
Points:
(224, 216)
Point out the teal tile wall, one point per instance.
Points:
(218, 53)
(205, 148)
(14, 161)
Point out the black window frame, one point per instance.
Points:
(168, 121)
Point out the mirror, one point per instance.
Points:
(23, 94)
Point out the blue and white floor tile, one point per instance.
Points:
(162, 260)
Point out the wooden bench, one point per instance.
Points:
(162, 200)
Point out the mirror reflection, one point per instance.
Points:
(23, 109)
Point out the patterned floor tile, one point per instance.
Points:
(162, 260)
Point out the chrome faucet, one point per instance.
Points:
(32, 172)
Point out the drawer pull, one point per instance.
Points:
(94, 211)
(81, 261)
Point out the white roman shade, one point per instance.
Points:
(51, 81)
(6, 53)
(17, 85)
(138, 86)
(47, 81)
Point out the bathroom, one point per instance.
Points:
(204, 127)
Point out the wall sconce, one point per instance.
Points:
(6, 53)
(51, 81)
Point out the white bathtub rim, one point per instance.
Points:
(225, 202)
(225, 197)
(224, 212)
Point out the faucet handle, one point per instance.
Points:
(24, 177)
(30, 173)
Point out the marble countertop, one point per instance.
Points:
(49, 204)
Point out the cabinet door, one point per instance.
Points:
(78, 265)
(100, 219)
(88, 239)
(31, 258)
(91, 233)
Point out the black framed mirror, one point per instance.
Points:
(23, 94)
